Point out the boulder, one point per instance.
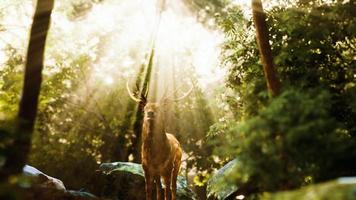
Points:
(46, 187)
(218, 186)
(43, 179)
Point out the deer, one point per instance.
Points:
(161, 152)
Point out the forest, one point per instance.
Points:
(177, 99)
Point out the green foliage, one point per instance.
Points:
(57, 139)
(78, 8)
(119, 172)
(132, 168)
(327, 191)
(305, 56)
(207, 10)
(281, 147)
(245, 75)
(10, 83)
(82, 121)
(193, 124)
(307, 134)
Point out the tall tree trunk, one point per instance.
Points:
(121, 153)
(270, 73)
(18, 152)
(273, 83)
(135, 148)
(137, 125)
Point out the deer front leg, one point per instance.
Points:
(158, 187)
(148, 186)
(167, 182)
(174, 179)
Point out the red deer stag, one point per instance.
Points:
(161, 152)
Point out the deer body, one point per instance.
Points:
(161, 155)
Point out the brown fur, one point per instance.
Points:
(161, 154)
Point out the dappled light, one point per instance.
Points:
(177, 99)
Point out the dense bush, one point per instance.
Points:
(307, 134)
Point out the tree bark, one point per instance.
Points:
(270, 73)
(18, 152)
(137, 125)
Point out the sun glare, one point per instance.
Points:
(242, 2)
(182, 43)
(108, 80)
(118, 34)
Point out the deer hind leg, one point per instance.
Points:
(167, 182)
(175, 172)
(148, 186)
(159, 188)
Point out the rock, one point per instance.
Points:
(13, 191)
(43, 179)
(46, 187)
(80, 194)
(53, 194)
(218, 187)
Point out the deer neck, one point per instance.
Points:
(154, 133)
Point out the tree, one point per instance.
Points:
(137, 125)
(264, 47)
(19, 149)
(207, 9)
(311, 120)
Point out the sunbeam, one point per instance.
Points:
(222, 99)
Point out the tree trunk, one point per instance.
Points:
(270, 73)
(137, 126)
(18, 152)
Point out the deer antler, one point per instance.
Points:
(131, 94)
(184, 96)
(179, 98)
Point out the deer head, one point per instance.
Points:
(152, 109)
